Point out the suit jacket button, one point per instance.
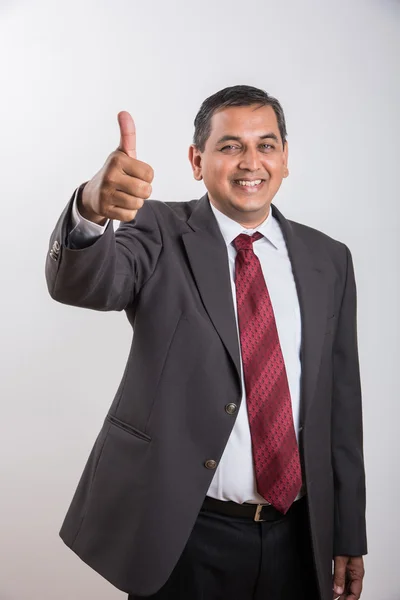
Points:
(210, 464)
(231, 408)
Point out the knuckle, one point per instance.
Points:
(108, 178)
(149, 173)
(139, 203)
(128, 216)
(145, 190)
(114, 159)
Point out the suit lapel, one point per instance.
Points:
(206, 251)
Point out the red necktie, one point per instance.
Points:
(274, 444)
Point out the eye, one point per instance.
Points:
(267, 147)
(229, 148)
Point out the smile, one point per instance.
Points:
(248, 185)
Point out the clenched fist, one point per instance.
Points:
(120, 188)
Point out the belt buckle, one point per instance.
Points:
(258, 512)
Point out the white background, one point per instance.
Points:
(66, 70)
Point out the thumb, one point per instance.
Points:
(127, 129)
(340, 574)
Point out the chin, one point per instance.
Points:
(251, 204)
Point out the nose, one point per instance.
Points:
(250, 160)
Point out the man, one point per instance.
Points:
(230, 464)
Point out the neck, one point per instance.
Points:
(247, 220)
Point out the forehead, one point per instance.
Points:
(244, 120)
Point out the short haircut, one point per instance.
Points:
(237, 95)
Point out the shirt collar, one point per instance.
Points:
(230, 229)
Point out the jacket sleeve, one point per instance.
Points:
(108, 273)
(347, 429)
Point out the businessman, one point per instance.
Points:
(230, 463)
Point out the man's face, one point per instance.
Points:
(243, 148)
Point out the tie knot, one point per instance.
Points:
(245, 241)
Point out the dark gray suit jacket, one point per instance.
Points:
(146, 478)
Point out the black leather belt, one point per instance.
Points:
(256, 512)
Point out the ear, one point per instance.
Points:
(285, 160)
(195, 161)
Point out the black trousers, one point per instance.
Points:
(230, 558)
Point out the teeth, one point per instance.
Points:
(249, 183)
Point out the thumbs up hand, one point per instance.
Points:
(122, 185)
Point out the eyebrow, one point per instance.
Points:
(227, 138)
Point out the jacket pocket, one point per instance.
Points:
(128, 428)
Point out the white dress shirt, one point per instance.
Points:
(234, 478)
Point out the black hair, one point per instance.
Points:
(237, 95)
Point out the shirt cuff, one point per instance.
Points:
(83, 230)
